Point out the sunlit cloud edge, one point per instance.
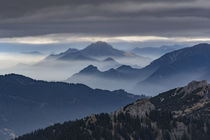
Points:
(69, 38)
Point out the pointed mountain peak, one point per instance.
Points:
(89, 69)
(71, 50)
(108, 59)
(99, 44)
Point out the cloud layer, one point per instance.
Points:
(188, 18)
(79, 38)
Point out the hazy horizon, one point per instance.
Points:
(64, 60)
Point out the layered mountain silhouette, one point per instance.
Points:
(178, 114)
(70, 54)
(100, 54)
(93, 71)
(103, 49)
(166, 72)
(110, 79)
(91, 53)
(27, 104)
(110, 62)
(178, 68)
(61, 66)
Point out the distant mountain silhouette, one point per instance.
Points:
(93, 71)
(123, 72)
(110, 79)
(110, 62)
(33, 53)
(156, 51)
(90, 70)
(70, 54)
(109, 59)
(179, 67)
(126, 69)
(73, 60)
(103, 49)
(26, 104)
(172, 69)
(91, 52)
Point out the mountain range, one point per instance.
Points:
(122, 77)
(178, 114)
(58, 67)
(156, 51)
(91, 53)
(192, 63)
(27, 104)
(181, 113)
(163, 73)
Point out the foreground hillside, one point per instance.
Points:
(178, 114)
(27, 104)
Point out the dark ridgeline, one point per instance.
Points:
(27, 104)
(178, 114)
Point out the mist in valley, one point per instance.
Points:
(131, 72)
(69, 60)
(33, 63)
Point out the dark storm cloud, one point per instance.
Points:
(100, 17)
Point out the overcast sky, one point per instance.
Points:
(162, 19)
(53, 26)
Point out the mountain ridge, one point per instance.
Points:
(26, 104)
(178, 114)
(191, 62)
(97, 49)
(156, 51)
(161, 74)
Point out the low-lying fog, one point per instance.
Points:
(8, 60)
(32, 65)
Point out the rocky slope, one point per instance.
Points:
(179, 114)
